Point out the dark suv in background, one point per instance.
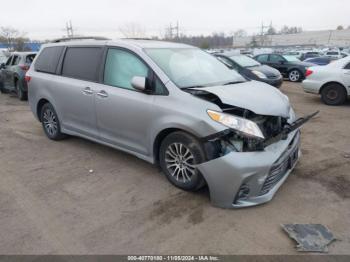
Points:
(12, 73)
(289, 66)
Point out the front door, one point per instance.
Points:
(124, 115)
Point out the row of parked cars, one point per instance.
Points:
(328, 76)
(172, 105)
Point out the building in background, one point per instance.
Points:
(339, 38)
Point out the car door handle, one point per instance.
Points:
(88, 91)
(102, 93)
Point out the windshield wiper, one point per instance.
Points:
(232, 83)
(189, 87)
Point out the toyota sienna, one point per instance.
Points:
(173, 105)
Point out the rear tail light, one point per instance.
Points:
(308, 72)
(24, 67)
(27, 78)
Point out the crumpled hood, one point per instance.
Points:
(255, 96)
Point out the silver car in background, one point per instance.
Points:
(173, 105)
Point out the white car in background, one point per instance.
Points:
(332, 81)
(334, 53)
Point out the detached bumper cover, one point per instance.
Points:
(261, 172)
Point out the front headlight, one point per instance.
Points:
(259, 74)
(242, 125)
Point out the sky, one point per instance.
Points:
(46, 19)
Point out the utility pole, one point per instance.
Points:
(69, 29)
(330, 36)
(171, 30)
(262, 33)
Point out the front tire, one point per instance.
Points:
(179, 154)
(333, 94)
(294, 75)
(51, 123)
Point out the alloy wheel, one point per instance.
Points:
(180, 162)
(294, 76)
(50, 122)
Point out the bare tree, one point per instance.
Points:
(13, 38)
(132, 30)
(290, 30)
(239, 33)
(271, 31)
(9, 34)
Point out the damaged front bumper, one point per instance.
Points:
(243, 179)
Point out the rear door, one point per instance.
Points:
(278, 62)
(124, 115)
(74, 93)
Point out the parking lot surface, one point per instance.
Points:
(78, 197)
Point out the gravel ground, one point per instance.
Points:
(50, 202)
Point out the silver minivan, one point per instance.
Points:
(173, 105)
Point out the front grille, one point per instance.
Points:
(279, 170)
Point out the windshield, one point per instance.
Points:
(192, 67)
(244, 61)
(290, 58)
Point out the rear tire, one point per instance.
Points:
(333, 94)
(22, 95)
(51, 123)
(294, 75)
(179, 154)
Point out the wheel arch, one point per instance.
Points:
(39, 106)
(162, 135)
(15, 79)
(295, 68)
(332, 83)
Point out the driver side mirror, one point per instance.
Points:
(2, 66)
(139, 83)
(282, 62)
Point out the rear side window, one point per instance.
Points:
(82, 63)
(48, 59)
(347, 66)
(262, 58)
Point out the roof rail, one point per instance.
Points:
(65, 39)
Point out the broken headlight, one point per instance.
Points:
(242, 125)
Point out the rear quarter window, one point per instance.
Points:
(82, 63)
(48, 59)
